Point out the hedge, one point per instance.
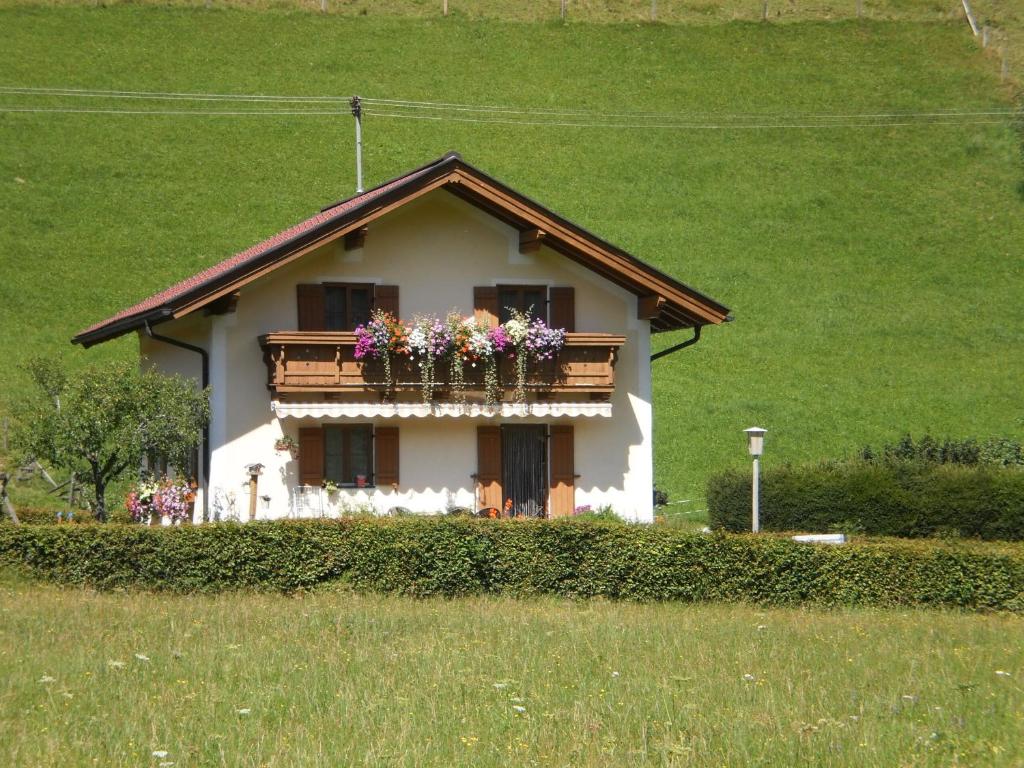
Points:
(906, 499)
(451, 557)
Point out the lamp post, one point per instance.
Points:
(755, 444)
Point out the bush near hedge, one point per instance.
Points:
(901, 498)
(451, 557)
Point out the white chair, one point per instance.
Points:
(307, 501)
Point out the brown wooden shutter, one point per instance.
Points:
(385, 456)
(562, 308)
(563, 471)
(386, 297)
(312, 310)
(311, 456)
(485, 305)
(488, 467)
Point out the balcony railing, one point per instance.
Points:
(314, 362)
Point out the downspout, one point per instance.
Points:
(205, 357)
(687, 343)
(677, 347)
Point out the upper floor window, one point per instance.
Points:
(347, 305)
(523, 298)
(342, 306)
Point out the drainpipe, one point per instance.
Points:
(677, 347)
(205, 357)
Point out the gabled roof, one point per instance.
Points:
(671, 304)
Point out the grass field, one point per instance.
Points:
(339, 679)
(875, 273)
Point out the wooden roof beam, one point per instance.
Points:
(649, 307)
(531, 240)
(355, 239)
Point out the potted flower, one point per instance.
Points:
(330, 487)
(287, 443)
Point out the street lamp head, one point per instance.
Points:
(755, 440)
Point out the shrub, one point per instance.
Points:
(991, 452)
(895, 498)
(457, 556)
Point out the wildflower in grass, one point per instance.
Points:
(160, 753)
(749, 678)
(114, 664)
(141, 657)
(615, 674)
(46, 679)
(1002, 673)
(519, 708)
(761, 627)
(244, 711)
(500, 686)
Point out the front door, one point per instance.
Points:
(524, 468)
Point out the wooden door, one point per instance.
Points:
(563, 471)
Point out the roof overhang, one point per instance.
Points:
(669, 303)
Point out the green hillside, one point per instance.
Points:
(876, 273)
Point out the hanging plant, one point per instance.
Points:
(380, 339)
(429, 340)
(287, 443)
(531, 340)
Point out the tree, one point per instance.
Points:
(103, 420)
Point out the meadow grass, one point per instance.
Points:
(875, 273)
(344, 679)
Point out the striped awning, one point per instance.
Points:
(471, 410)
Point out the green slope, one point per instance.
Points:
(876, 274)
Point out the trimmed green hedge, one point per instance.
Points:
(451, 557)
(905, 499)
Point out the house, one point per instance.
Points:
(272, 331)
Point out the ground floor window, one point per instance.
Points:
(348, 454)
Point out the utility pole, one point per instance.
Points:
(357, 113)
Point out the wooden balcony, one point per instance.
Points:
(323, 362)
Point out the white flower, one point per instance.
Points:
(519, 709)
(141, 657)
(244, 711)
(46, 679)
(516, 329)
(1002, 673)
(499, 686)
(115, 664)
(615, 674)
(749, 678)
(166, 764)
(160, 753)
(761, 627)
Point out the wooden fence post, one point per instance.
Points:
(564, 9)
(764, 11)
(444, 7)
(654, 10)
(860, 9)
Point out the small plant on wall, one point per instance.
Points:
(287, 443)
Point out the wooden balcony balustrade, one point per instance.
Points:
(324, 361)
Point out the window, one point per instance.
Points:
(524, 298)
(347, 305)
(348, 453)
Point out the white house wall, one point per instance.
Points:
(436, 250)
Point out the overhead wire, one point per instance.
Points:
(438, 111)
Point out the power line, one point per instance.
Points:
(197, 112)
(401, 104)
(686, 126)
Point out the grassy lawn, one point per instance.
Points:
(875, 273)
(341, 679)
